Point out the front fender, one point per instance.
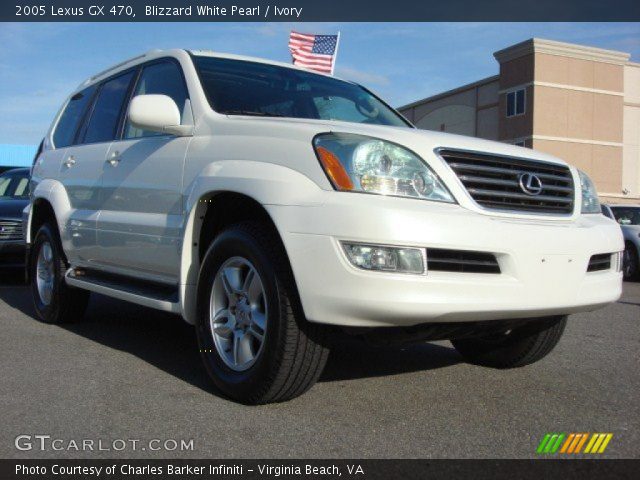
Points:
(267, 183)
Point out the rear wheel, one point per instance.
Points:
(254, 340)
(53, 299)
(514, 348)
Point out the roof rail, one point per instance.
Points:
(118, 65)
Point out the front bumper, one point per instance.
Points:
(543, 263)
(12, 254)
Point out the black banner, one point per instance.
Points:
(317, 11)
(344, 469)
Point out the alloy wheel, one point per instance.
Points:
(45, 273)
(238, 313)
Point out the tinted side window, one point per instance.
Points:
(73, 112)
(160, 78)
(4, 186)
(14, 186)
(106, 112)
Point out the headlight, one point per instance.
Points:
(370, 165)
(590, 202)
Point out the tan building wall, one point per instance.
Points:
(468, 110)
(582, 104)
(631, 130)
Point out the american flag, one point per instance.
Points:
(317, 52)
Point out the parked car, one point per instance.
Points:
(269, 205)
(628, 216)
(14, 197)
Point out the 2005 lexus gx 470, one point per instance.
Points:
(269, 206)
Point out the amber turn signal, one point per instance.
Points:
(334, 169)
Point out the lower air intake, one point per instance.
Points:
(462, 261)
(599, 262)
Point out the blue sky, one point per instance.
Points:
(41, 63)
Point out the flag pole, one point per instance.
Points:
(335, 57)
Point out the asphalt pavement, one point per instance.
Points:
(128, 374)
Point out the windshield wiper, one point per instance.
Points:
(252, 113)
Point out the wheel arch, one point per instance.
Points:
(49, 200)
(222, 184)
(214, 211)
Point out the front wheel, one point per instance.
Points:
(53, 299)
(254, 340)
(514, 348)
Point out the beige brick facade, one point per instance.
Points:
(582, 104)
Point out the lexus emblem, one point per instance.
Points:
(530, 184)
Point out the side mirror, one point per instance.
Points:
(157, 113)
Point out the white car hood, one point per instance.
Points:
(412, 138)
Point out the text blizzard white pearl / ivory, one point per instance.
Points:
(218, 11)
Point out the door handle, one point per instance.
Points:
(114, 159)
(70, 161)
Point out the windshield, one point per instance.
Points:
(238, 87)
(14, 186)
(627, 215)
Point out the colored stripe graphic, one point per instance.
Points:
(555, 448)
(567, 442)
(581, 443)
(594, 437)
(606, 441)
(543, 443)
(598, 443)
(573, 443)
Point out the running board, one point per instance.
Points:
(160, 297)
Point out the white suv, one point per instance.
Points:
(269, 205)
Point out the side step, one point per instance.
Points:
(149, 294)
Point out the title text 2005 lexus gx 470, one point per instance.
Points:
(269, 205)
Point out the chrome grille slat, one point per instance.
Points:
(10, 230)
(507, 183)
(494, 182)
(521, 196)
(507, 171)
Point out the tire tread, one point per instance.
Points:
(533, 344)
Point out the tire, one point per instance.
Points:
(515, 348)
(630, 262)
(292, 353)
(62, 304)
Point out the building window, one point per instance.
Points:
(516, 103)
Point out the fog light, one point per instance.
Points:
(384, 258)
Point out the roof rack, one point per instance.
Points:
(118, 65)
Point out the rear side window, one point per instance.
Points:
(161, 79)
(71, 117)
(105, 117)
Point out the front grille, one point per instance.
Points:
(599, 262)
(495, 183)
(461, 261)
(10, 230)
